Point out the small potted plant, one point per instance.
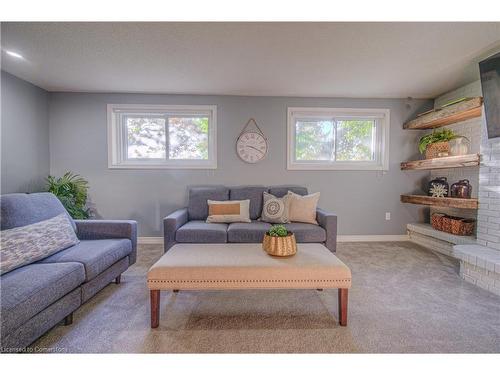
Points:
(278, 241)
(435, 144)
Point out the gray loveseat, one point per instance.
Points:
(36, 297)
(188, 225)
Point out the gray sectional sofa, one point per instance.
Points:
(187, 225)
(36, 297)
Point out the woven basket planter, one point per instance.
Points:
(280, 246)
(433, 150)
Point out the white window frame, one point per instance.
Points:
(117, 146)
(382, 124)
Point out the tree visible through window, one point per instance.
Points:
(342, 140)
(335, 138)
(162, 136)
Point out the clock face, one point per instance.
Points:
(251, 147)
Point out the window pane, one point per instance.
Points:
(314, 140)
(188, 137)
(146, 138)
(355, 140)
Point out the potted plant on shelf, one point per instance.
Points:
(278, 241)
(436, 144)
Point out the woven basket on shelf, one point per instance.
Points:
(437, 221)
(434, 149)
(462, 227)
(280, 246)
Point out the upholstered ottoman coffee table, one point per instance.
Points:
(246, 266)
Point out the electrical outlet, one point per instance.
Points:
(387, 216)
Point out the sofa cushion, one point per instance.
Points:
(18, 210)
(198, 197)
(280, 191)
(247, 232)
(307, 232)
(95, 255)
(25, 245)
(30, 289)
(254, 193)
(197, 231)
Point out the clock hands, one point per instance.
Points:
(255, 148)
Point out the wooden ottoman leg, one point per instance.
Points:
(176, 290)
(155, 308)
(118, 279)
(343, 293)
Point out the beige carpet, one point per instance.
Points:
(404, 299)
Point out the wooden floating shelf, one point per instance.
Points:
(470, 160)
(451, 114)
(471, 203)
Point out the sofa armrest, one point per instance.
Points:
(104, 229)
(328, 221)
(170, 225)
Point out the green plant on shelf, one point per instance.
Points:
(278, 231)
(71, 189)
(444, 135)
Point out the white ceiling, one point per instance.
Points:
(379, 60)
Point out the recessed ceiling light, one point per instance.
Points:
(14, 54)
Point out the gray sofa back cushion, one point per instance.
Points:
(19, 209)
(280, 191)
(254, 193)
(198, 197)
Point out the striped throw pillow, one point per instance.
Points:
(229, 211)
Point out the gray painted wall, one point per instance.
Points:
(360, 198)
(25, 135)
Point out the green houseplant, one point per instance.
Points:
(71, 189)
(440, 141)
(278, 231)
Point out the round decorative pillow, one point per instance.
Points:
(275, 210)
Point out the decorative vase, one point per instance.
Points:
(438, 187)
(459, 146)
(461, 189)
(437, 150)
(280, 246)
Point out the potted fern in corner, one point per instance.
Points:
(436, 144)
(71, 189)
(278, 241)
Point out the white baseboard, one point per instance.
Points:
(150, 240)
(341, 238)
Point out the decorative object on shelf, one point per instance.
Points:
(71, 189)
(461, 189)
(459, 146)
(438, 187)
(451, 224)
(437, 221)
(251, 145)
(435, 144)
(278, 241)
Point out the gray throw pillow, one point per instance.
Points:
(24, 245)
(275, 210)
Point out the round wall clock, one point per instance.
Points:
(251, 146)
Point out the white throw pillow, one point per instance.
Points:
(275, 210)
(303, 207)
(24, 245)
(229, 211)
